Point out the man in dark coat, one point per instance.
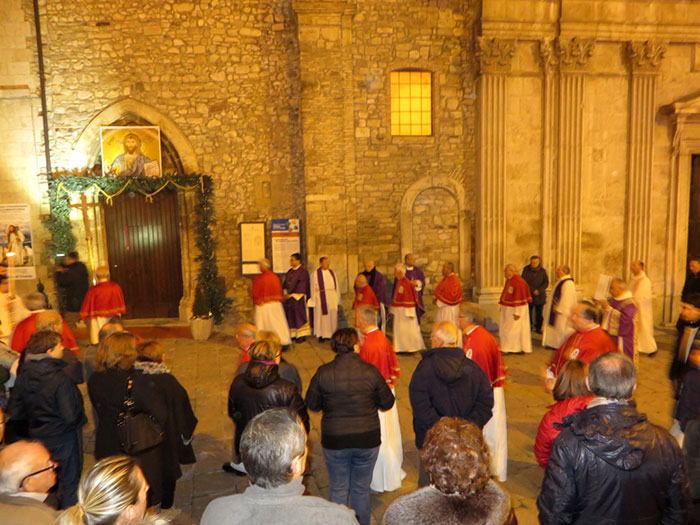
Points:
(692, 278)
(73, 283)
(447, 383)
(297, 290)
(609, 464)
(536, 278)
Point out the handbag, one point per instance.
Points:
(138, 431)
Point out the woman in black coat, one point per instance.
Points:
(181, 421)
(257, 389)
(107, 388)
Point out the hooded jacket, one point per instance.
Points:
(448, 384)
(610, 465)
(258, 389)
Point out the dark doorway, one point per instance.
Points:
(143, 246)
(694, 221)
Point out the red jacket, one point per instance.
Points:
(547, 432)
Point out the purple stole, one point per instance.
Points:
(322, 289)
(556, 296)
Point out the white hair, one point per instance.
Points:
(401, 267)
(446, 332)
(368, 314)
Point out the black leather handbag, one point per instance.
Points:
(138, 431)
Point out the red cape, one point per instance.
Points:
(516, 292)
(449, 290)
(482, 348)
(376, 349)
(24, 330)
(585, 346)
(105, 299)
(267, 288)
(404, 294)
(365, 297)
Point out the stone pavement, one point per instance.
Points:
(206, 369)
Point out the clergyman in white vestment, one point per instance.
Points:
(325, 298)
(557, 312)
(640, 286)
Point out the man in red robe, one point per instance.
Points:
(102, 301)
(448, 295)
(36, 303)
(482, 348)
(268, 298)
(407, 336)
(364, 295)
(514, 328)
(587, 343)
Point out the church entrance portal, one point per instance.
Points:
(694, 219)
(143, 246)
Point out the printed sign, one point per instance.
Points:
(286, 240)
(16, 243)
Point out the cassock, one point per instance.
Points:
(640, 285)
(560, 303)
(585, 346)
(269, 314)
(515, 333)
(387, 475)
(621, 324)
(376, 280)
(482, 348)
(12, 312)
(101, 302)
(298, 288)
(26, 328)
(413, 273)
(324, 300)
(404, 303)
(448, 293)
(365, 297)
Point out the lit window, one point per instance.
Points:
(411, 103)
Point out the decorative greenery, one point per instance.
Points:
(210, 296)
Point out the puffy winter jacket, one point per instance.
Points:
(547, 431)
(447, 383)
(349, 391)
(46, 398)
(258, 389)
(610, 465)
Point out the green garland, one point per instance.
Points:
(210, 295)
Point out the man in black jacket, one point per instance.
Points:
(609, 464)
(73, 282)
(447, 383)
(537, 280)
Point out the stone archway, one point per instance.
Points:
(87, 151)
(454, 222)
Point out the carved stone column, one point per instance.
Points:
(644, 59)
(495, 57)
(550, 64)
(573, 59)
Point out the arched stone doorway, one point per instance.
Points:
(178, 156)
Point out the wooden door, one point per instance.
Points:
(143, 246)
(694, 220)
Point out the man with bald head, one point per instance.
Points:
(621, 319)
(417, 277)
(557, 322)
(514, 328)
(447, 383)
(268, 298)
(376, 281)
(640, 286)
(404, 307)
(448, 295)
(27, 473)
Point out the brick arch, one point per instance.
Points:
(455, 186)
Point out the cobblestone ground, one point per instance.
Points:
(206, 370)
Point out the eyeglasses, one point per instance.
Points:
(53, 466)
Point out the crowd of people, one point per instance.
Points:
(603, 460)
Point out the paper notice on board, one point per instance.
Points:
(601, 291)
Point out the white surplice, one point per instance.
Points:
(270, 317)
(407, 336)
(324, 325)
(515, 333)
(387, 474)
(446, 312)
(640, 285)
(496, 436)
(555, 336)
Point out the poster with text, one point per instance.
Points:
(16, 243)
(286, 240)
(131, 151)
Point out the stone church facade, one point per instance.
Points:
(560, 128)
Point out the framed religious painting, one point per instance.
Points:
(131, 151)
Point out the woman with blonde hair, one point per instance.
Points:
(113, 491)
(108, 389)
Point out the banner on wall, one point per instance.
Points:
(16, 242)
(286, 240)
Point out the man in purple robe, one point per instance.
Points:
(375, 279)
(296, 292)
(416, 276)
(620, 320)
